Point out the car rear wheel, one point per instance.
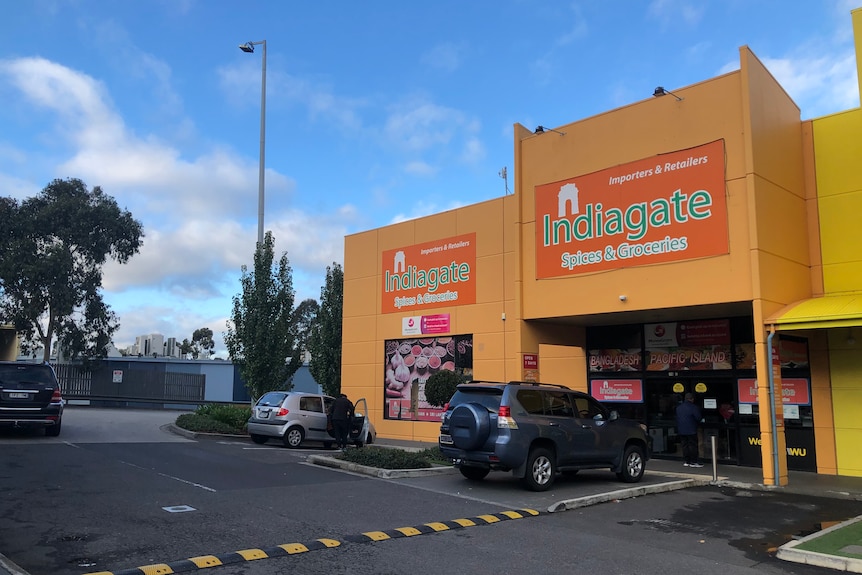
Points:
(259, 439)
(474, 473)
(633, 465)
(54, 430)
(541, 469)
(293, 437)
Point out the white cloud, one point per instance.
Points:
(419, 168)
(819, 85)
(445, 56)
(670, 11)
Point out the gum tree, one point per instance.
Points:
(52, 249)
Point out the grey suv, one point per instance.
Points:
(30, 396)
(537, 430)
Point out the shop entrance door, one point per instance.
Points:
(717, 402)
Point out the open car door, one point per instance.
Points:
(360, 424)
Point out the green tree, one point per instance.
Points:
(324, 343)
(201, 344)
(260, 336)
(52, 249)
(441, 386)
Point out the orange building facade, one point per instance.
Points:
(660, 248)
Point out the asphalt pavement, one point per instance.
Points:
(593, 487)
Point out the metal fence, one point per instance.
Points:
(105, 383)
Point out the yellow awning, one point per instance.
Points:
(820, 312)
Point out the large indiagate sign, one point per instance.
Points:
(666, 208)
(431, 275)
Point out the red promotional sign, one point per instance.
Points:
(531, 361)
(794, 391)
(617, 390)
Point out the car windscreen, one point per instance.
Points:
(26, 374)
(272, 398)
(488, 398)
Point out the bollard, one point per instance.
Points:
(714, 461)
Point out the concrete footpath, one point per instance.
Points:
(593, 487)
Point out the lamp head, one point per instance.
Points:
(248, 47)
(539, 129)
(658, 91)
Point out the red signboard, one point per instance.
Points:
(531, 361)
(617, 390)
(794, 391)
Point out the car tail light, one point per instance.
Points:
(56, 397)
(282, 411)
(504, 418)
(446, 407)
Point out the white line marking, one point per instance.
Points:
(193, 484)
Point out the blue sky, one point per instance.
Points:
(376, 112)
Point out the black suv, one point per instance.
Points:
(537, 430)
(30, 396)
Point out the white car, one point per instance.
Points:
(295, 417)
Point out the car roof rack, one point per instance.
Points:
(538, 384)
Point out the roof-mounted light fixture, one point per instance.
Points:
(662, 92)
(541, 130)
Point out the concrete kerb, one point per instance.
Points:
(628, 493)
(325, 461)
(788, 552)
(10, 567)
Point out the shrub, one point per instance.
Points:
(441, 386)
(204, 424)
(388, 458)
(234, 416)
(216, 418)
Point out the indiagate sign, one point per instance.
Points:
(666, 208)
(430, 275)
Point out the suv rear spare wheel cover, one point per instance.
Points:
(469, 426)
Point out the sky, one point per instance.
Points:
(377, 112)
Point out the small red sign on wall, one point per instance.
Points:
(531, 361)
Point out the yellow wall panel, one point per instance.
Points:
(838, 148)
(840, 235)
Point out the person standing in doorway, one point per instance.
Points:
(342, 416)
(688, 418)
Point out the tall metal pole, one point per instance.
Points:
(260, 182)
(248, 48)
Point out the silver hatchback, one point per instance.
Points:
(295, 417)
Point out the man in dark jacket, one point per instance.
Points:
(342, 416)
(688, 418)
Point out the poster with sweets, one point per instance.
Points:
(408, 365)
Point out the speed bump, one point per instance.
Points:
(287, 549)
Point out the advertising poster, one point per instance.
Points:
(665, 208)
(408, 365)
(688, 345)
(602, 360)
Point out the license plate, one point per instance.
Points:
(264, 415)
(19, 395)
(446, 439)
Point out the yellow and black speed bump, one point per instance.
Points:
(206, 561)
(369, 536)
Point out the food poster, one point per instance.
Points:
(409, 364)
(688, 345)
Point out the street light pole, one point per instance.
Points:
(248, 47)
